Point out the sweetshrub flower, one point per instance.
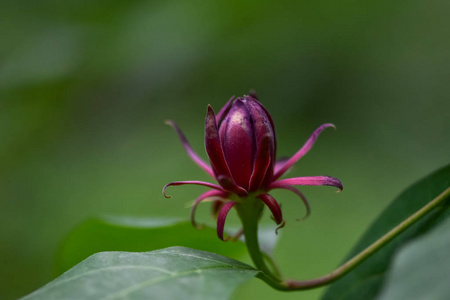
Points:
(241, 145)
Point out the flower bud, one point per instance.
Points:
(241, 147)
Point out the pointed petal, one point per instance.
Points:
(312, 180)
(300, 194)
(261, 164)
(195, 182)
(207, 196)
(224, 110)
(215, 208)
(306, 147)
(228, 184)
(222, 216)
(274, 207)
(215, 151)
(264, 160)
(238, 143)
(279, 164)
(189, 149)
(271, 124)
(213, 146)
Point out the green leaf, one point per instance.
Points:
(108, 233)
(365, 281)
(172, 273)
(421, 269)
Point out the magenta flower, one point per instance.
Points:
(241, 145)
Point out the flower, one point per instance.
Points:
(241, 145)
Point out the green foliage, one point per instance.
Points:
(172, 273)
(138, 235)
(85, 87)
(365, 282)
(421, 269)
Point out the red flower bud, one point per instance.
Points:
(241, 147)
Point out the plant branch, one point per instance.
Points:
(293, 285)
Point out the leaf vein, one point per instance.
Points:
(90, 272)
(149, 282)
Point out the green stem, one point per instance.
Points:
(275, 269)
(249, 211)
(291, 285)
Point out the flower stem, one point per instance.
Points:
(275, 269)
(292, 285)
(249, 211)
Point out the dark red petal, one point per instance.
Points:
(272, 125)
(261, 164)
(228, 184)
(274, 207)
(214, 148)
(261, 120)
(306, 147)
(224, 110)
(195, 182)
(222, 216)
(209, 195)
(189, 149)
(313, 180)
(238, 143)
(265, 142)
(300, 194)
(268, 178)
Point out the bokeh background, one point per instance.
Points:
(85, 87)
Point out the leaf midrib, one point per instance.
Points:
(147, 283)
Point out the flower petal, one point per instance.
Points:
(222, 216)
(213, 146)
(300, 194)
(261, 164)
(312, 180)
(279, 164)
(200, 162)
(263, 161)
(224, 110)
(270, 120)
(195, 182)
(236, 134)
(274, 207)
(228, 184)
(215, 151)
(206, 196)
(306, 147)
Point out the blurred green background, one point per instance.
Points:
(85, 87)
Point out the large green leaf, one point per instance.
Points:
(112, 233)
(172, 273)
(430, 255)
(108, 233)
(366, 280)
